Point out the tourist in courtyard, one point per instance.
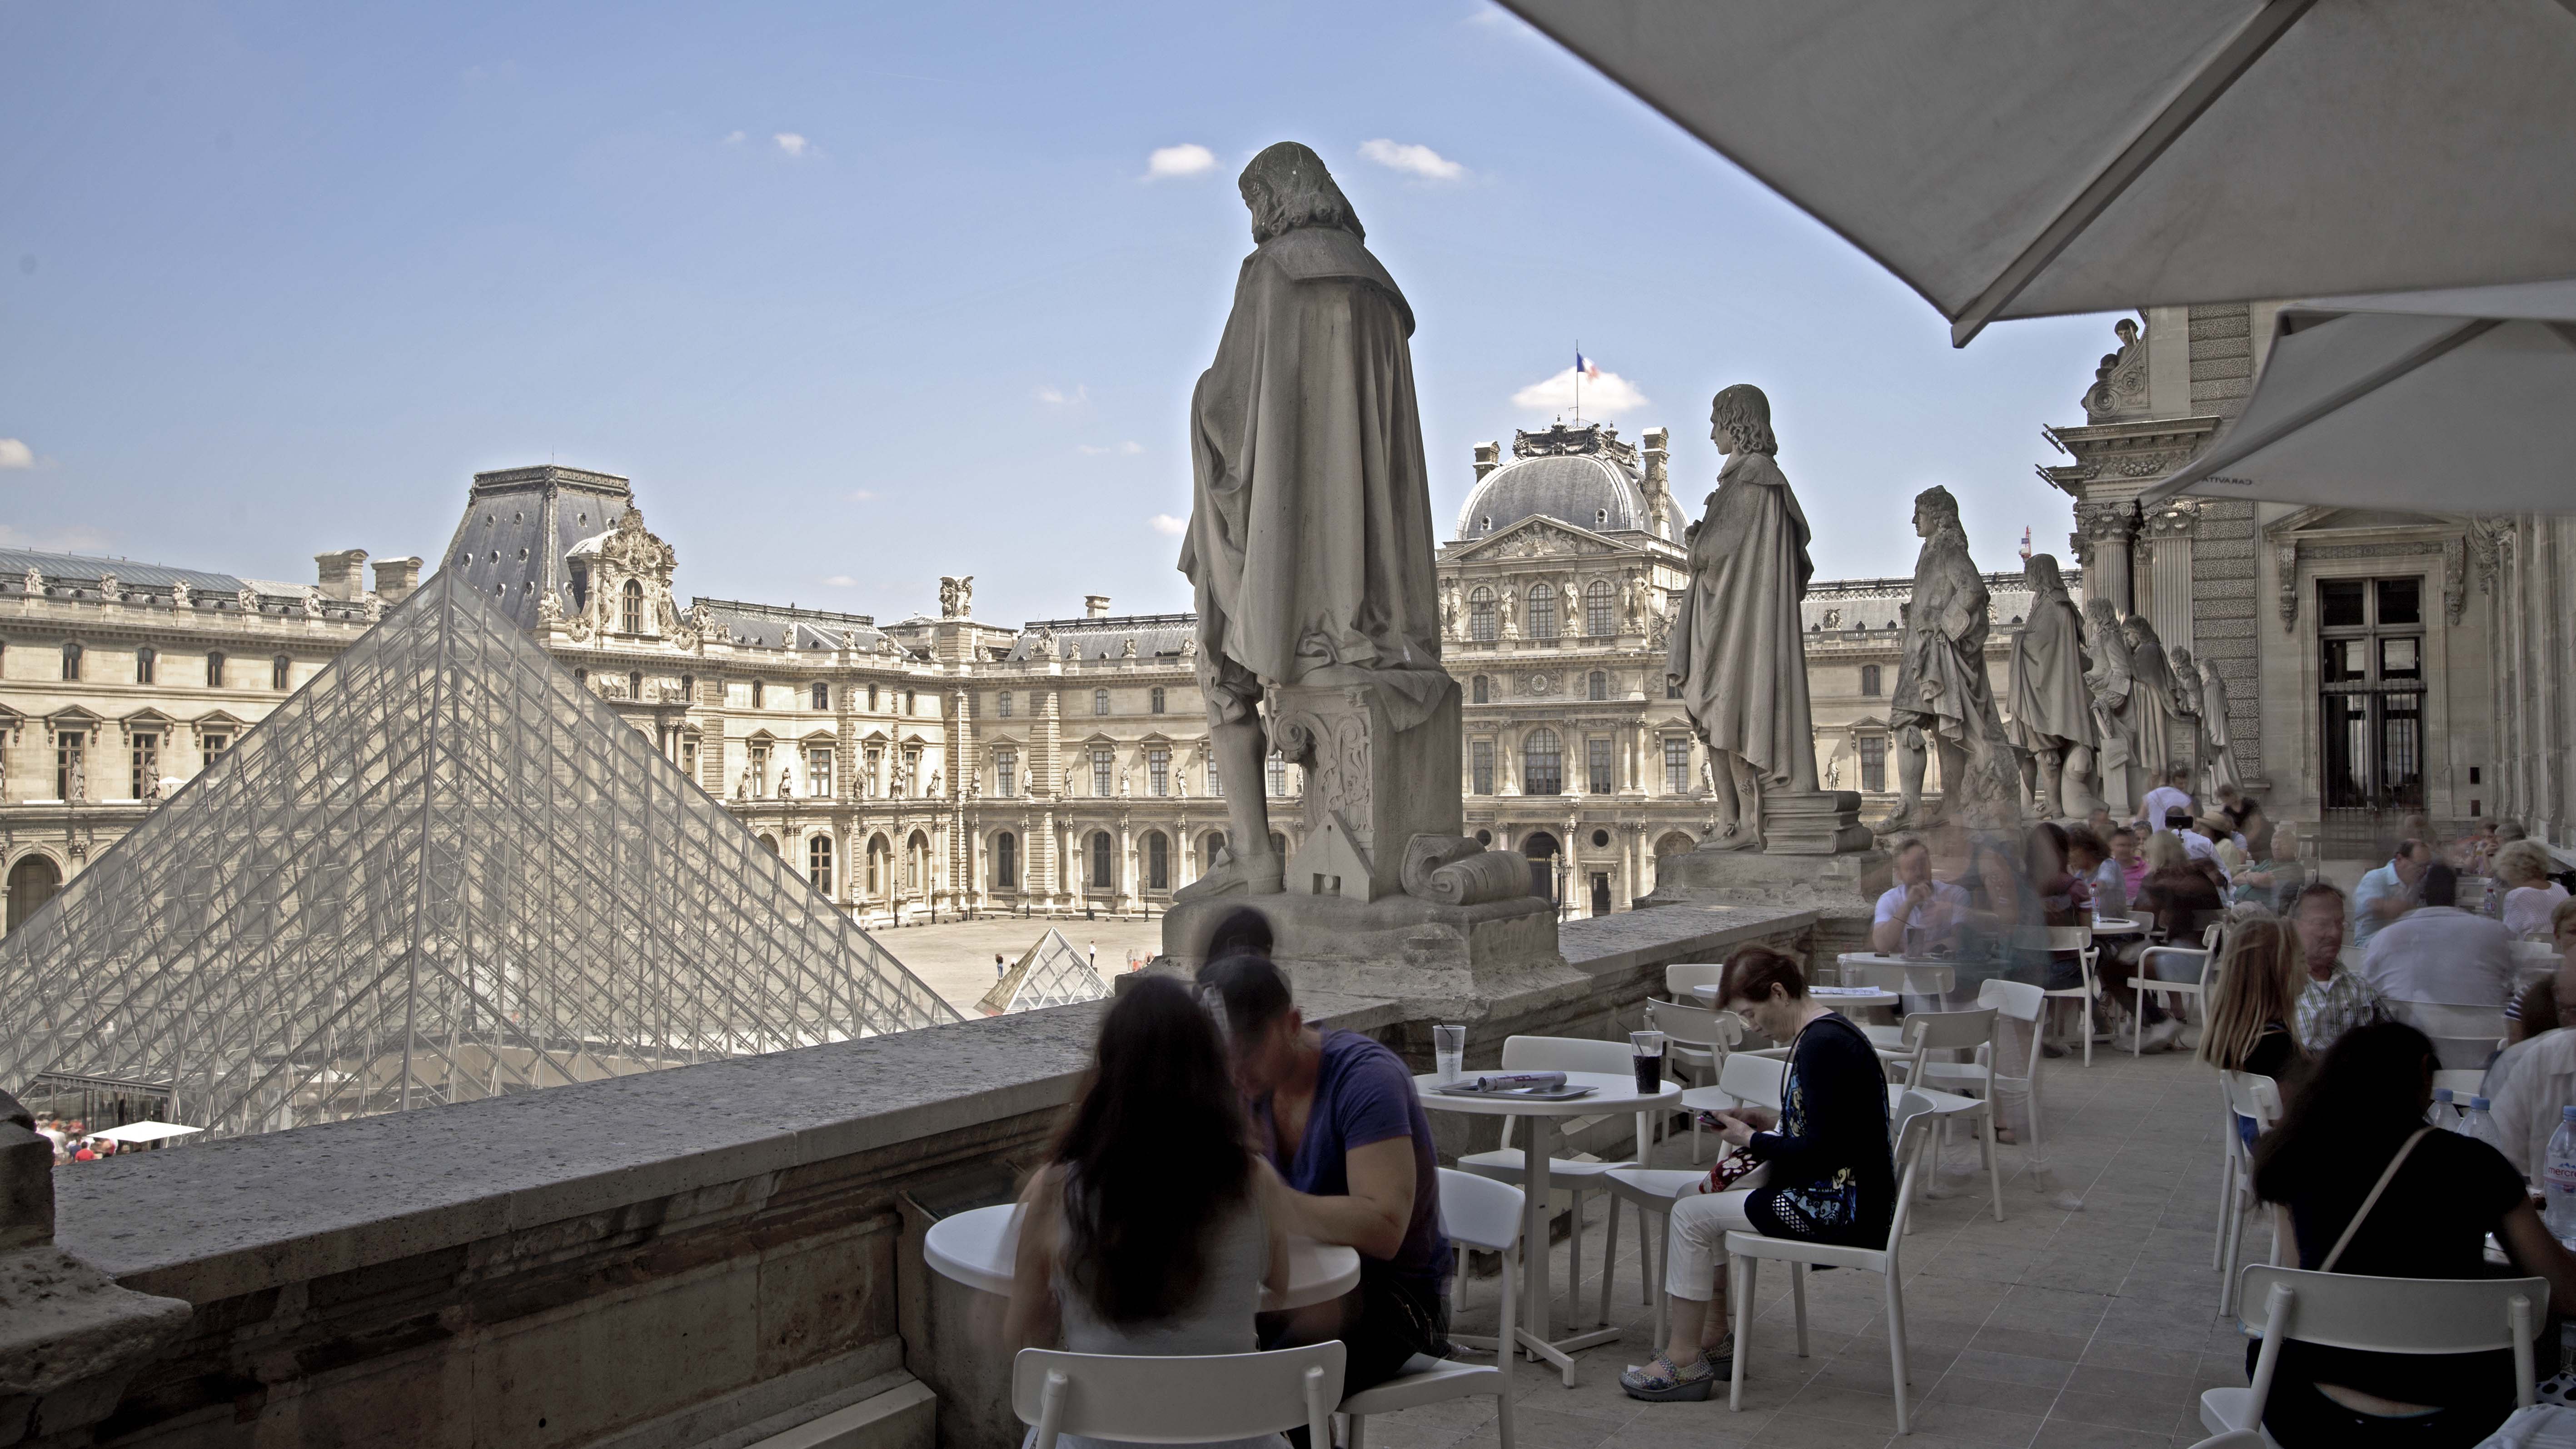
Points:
(2388, 892)
(1826, 1173)
(2440, 953)
(2168, 797)
(2273, 880)
(2358, 1126)
(1918, 908)
(1336, 1114)
(2180, 899)
(2252, 1011)
(2132, 861)
(1152, 1227)
(2530, 896)
(2334, 1000)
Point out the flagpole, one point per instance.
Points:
(1578, 382)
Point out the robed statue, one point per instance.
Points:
(1311, 536)
(2166, 728)
(1739, 651)
(1942, 701)
(2052, 723)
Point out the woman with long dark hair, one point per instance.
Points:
(2356, 1124)
(1150, 1230)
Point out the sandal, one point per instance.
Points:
(1659, 1380)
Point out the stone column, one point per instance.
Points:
(2103, 535)
(1128, 882)
(2167, 604)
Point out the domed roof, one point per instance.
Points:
(1581, 474)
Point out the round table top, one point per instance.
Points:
(1616, 1092)
(976, 1248)
(1833, 998)
(1910, 963)
(2117, 926)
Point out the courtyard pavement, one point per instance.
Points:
(955, 958)
(2049, 1330)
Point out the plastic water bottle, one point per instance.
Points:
(2480, 1125)
(2446, 1112)
(2560, 1179)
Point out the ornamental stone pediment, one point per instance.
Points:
(1536, 537)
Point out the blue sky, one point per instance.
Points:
(862, 295)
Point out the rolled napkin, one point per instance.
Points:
(1520, 1081)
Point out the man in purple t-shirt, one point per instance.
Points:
(1336, 1114)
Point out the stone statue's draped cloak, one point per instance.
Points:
(2048, 699)
(1311, 538)
(2163, 734)
(2114, 698)
(1941, 682)
(1738, 643)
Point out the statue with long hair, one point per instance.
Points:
(1739, 652)
(1310, 539)
(1942, 702)
(2052, 716)
(2113, 689)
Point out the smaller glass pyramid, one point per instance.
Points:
(1050, 973)
(442, 870)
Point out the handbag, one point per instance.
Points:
(1732, 1166)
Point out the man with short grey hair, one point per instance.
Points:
(2334, 1000)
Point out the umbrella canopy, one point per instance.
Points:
(2452, 402)
(2023, 158)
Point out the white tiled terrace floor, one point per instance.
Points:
(2049, 1330)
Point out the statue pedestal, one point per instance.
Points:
(1370, 786)
(1431, 956)
(1821, 822)
(1842, 889)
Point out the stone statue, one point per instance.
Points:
(1641, 603)
(743, 787)
(152, 787)
(1569, 612)
(80, 778)
(549, 610)
(950, 594)
(1310, 540)
(179, 595)
(246, 600)
(312, 601)
(36, 583)
(111, 590)
(934, 782)
(1942, 700)
(2165, 731)
(1122, 782)
(1505, 601)
(2218, 758)
(1128, 649)
(2052, 714)
(965, 596)
(2113, 689)
(785, 788)
(1449, 609)
(1737, 652)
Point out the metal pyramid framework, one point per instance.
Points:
(441, 871)
(1050, 973)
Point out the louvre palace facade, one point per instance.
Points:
(942, 765)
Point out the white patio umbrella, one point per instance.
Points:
(2453, 402)
(2023, 158)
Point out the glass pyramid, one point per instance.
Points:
(441, 871)
(1050, 973)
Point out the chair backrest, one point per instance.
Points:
(1479, 1211)
(1681, 976)
(2017, 999)
(1950, 1030)
(1904, 980)
(1758, 1080)
(1915, 1120)
(2463, 1036)
(2530, 954)
(1695, 1025)
(2070, 938)
(2249, 1095)
(2390, 1315)
(1177, 1400)
(1566, 1054)
(2148, 958)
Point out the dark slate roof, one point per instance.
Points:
(1081, 639)
(770, 626)
(518, 525)
(1583, 475)
(80, 568)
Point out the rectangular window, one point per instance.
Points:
(1101, 761)
(1480, 757)
(70, 759)
(147, 765)
(913, 784)
(818, 770)
(1006, 770)
(1002, 704)
(1596, 753)
(2371, 709)
(218, 743)
(1869, 680)
(1677, 766)
(1158, 770)
(1278, 777)
(689, 756)
(1156, 700)
(144, 660)
(760, 772)
(1216, 783)
(822, 696)
(1873, 764)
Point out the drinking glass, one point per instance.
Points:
(1648, 1049)
(1449, 1048)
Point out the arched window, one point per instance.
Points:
(1542, 611)
(759, 693)
(1542, 850)
(769, 843)
(1100, 701)
(1480, 613)
(215, 670)
(1279, 845)
(1597, 686)
(1869, 680)
(1155, 702)
(1006, 861)
(1597, 608)
(71, 660)
(1158, 861)
(635, 684)
(916, 864)
(277, 672)
(1542, 763)
(818, 863)
(1101, 876)
(144, 660)
(1480, 690)
(32, 882)
(630, 608)
(1210, 848)
(880, 865)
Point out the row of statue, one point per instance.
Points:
(747, 787)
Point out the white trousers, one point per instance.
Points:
(1695, 1240)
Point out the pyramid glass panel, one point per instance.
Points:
(441, 871)
(1050, 973)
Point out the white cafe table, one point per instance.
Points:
(2118, 926)
(1616, 1093)
(976, 1248)
(1832, 998)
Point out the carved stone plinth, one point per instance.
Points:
(1421, 952)
(1841, 889)
(1370, 787)
(1821, 822)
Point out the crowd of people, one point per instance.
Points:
(73, 1140)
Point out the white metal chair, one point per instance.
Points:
(1177, 1400)
(2201, 961)
(1578, 1174)
(1697, 1039)
(2259, 1098)
(2464, 1037)
(1681, 976)
(1927, 979)
(1743, 1080)
(1475, 1212)
(2078, 939)
(1972, 1031)
(2377, 1315)
(1745, 1250)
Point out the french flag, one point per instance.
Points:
(1586, 367)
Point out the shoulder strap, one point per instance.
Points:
(2372, 1201)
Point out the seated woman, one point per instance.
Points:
(2359, 1121)
(2181, 900)
(1151, 1229)
(1826, 1173)
(2530, 895)
(2253, 1012)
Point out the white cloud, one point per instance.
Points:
(1413, 160)
(841, 581)
(1186, 159)
(1603, 396)
(1129, 449)
(795, 145)
(15, 454)
(1166, 523)
(862, 495)
(1050, 394)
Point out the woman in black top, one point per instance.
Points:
(2356, 1113)
(1826, 1172)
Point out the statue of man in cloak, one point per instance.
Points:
(2165, 729)
(2218, 771)
(1739, 653)
(2052, 714)
(1310, 538)
(2115, 706)
(1942, 700)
